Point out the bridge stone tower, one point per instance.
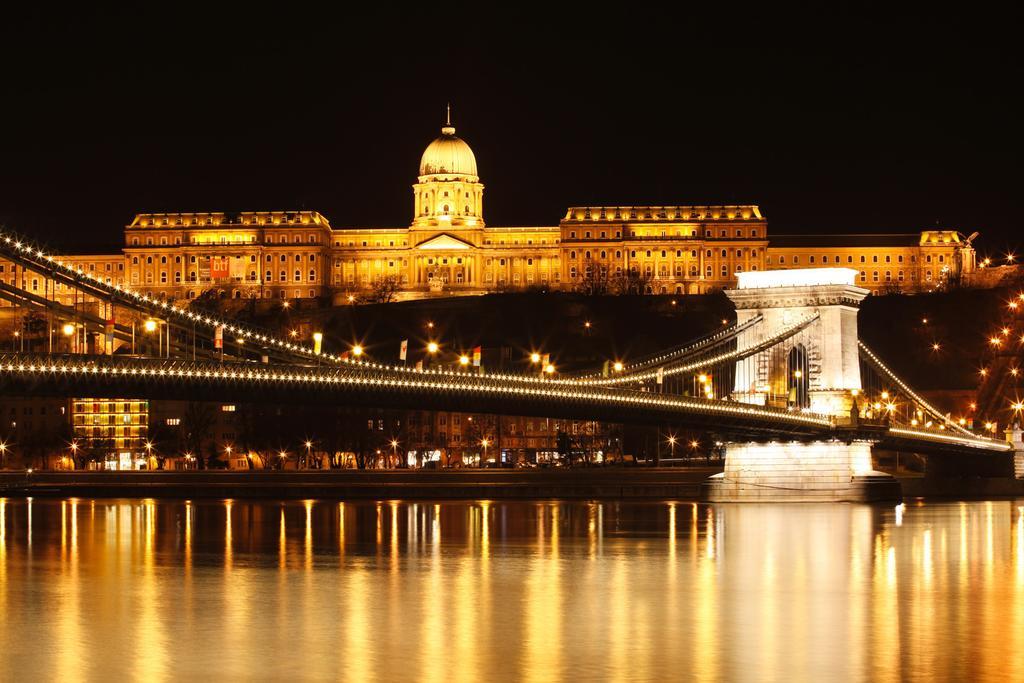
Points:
(817, 370)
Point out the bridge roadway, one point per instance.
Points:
(366, 385)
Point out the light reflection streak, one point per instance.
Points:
(188, 537)
(341, 533)
(393, 511)
(308, 539)
(705, 642)
(432, 605)
(151, 660)
(926, 557)
(541, 658)
(1019, 549)
(282, 545)
(357, 626)
(68, 614)
(228, 550)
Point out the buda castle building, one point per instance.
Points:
(448, 249)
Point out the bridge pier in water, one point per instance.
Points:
(816, 370)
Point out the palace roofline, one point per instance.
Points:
(671, 212)
(855, 240)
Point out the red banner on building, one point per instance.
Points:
(220, 267)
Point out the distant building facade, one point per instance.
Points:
(449, 249)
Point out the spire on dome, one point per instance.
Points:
(448, 128)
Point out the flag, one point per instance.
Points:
(318, 339)
(109, 345)
(476, 356)
(661, 375)
(218, 337)
(604, 369)
(344, 355)
(404, 350)
(545, 360)
(419, 365)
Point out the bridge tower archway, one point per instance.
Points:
(821, 302)
(797, 377)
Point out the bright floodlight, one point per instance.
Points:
(804, 277)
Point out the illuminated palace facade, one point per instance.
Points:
(448, 249)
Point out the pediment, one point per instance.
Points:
(444, 242)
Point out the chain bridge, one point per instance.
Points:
(796, 398)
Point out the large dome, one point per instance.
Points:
(448, 155)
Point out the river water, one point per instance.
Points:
(495, 591)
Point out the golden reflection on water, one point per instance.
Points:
(491, 590)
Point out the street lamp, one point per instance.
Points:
(309, 452)
(357, 350)
(618, 366)
(672, 445)
(549, 369)
(149, 325)
(68, 329)
(485, 443)
(433, 347)
(394, 451)
(3, 454)
(534, 357)
(463, 360)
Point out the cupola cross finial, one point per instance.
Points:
(448, 115)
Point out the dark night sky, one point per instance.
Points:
(832, 123)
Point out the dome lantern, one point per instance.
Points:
(448, 155)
